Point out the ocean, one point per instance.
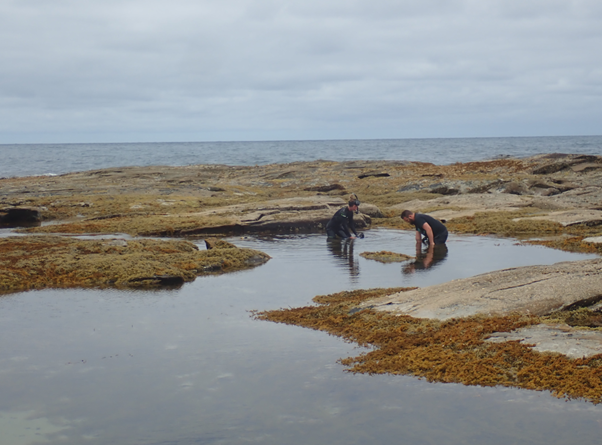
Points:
(56, 159)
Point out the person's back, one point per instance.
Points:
(431, 229)
(439, 230)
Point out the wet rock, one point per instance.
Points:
(20, 217)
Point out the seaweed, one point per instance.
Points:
(36, 262)
(451, 351)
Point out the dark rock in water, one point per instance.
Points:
(20, 217)
(161, 280)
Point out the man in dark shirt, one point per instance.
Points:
(426, 226)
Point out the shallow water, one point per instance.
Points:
(189, 366)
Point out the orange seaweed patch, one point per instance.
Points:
(449, 351)
(37, 262)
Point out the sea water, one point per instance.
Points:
(54, 159)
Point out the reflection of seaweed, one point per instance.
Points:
(384, 256)
(448, 351)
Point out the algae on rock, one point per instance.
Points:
(36, 262)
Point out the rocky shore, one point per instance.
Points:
(513, 325)
(555, 194)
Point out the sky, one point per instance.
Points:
(226, 70)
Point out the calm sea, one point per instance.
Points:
(55, 159)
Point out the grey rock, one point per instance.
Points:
(593, 240)
(371, 210)
(560, 338)
(537, 290)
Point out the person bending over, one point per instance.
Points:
(427, 228)
(341, 224)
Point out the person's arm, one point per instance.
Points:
(347, 231)
(428, 259)
(429, 233)
(418, 239)
(352, 225)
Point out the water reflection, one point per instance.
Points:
(190, 366)
(342, 250)
(426, 258)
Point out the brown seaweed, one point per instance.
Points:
(452, 351)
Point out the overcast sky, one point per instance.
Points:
(202, 70)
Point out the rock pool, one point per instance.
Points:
(190, 366)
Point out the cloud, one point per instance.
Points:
(261, 69)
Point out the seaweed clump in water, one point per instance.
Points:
(451, 351)
(385, 256)
(37, 262)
